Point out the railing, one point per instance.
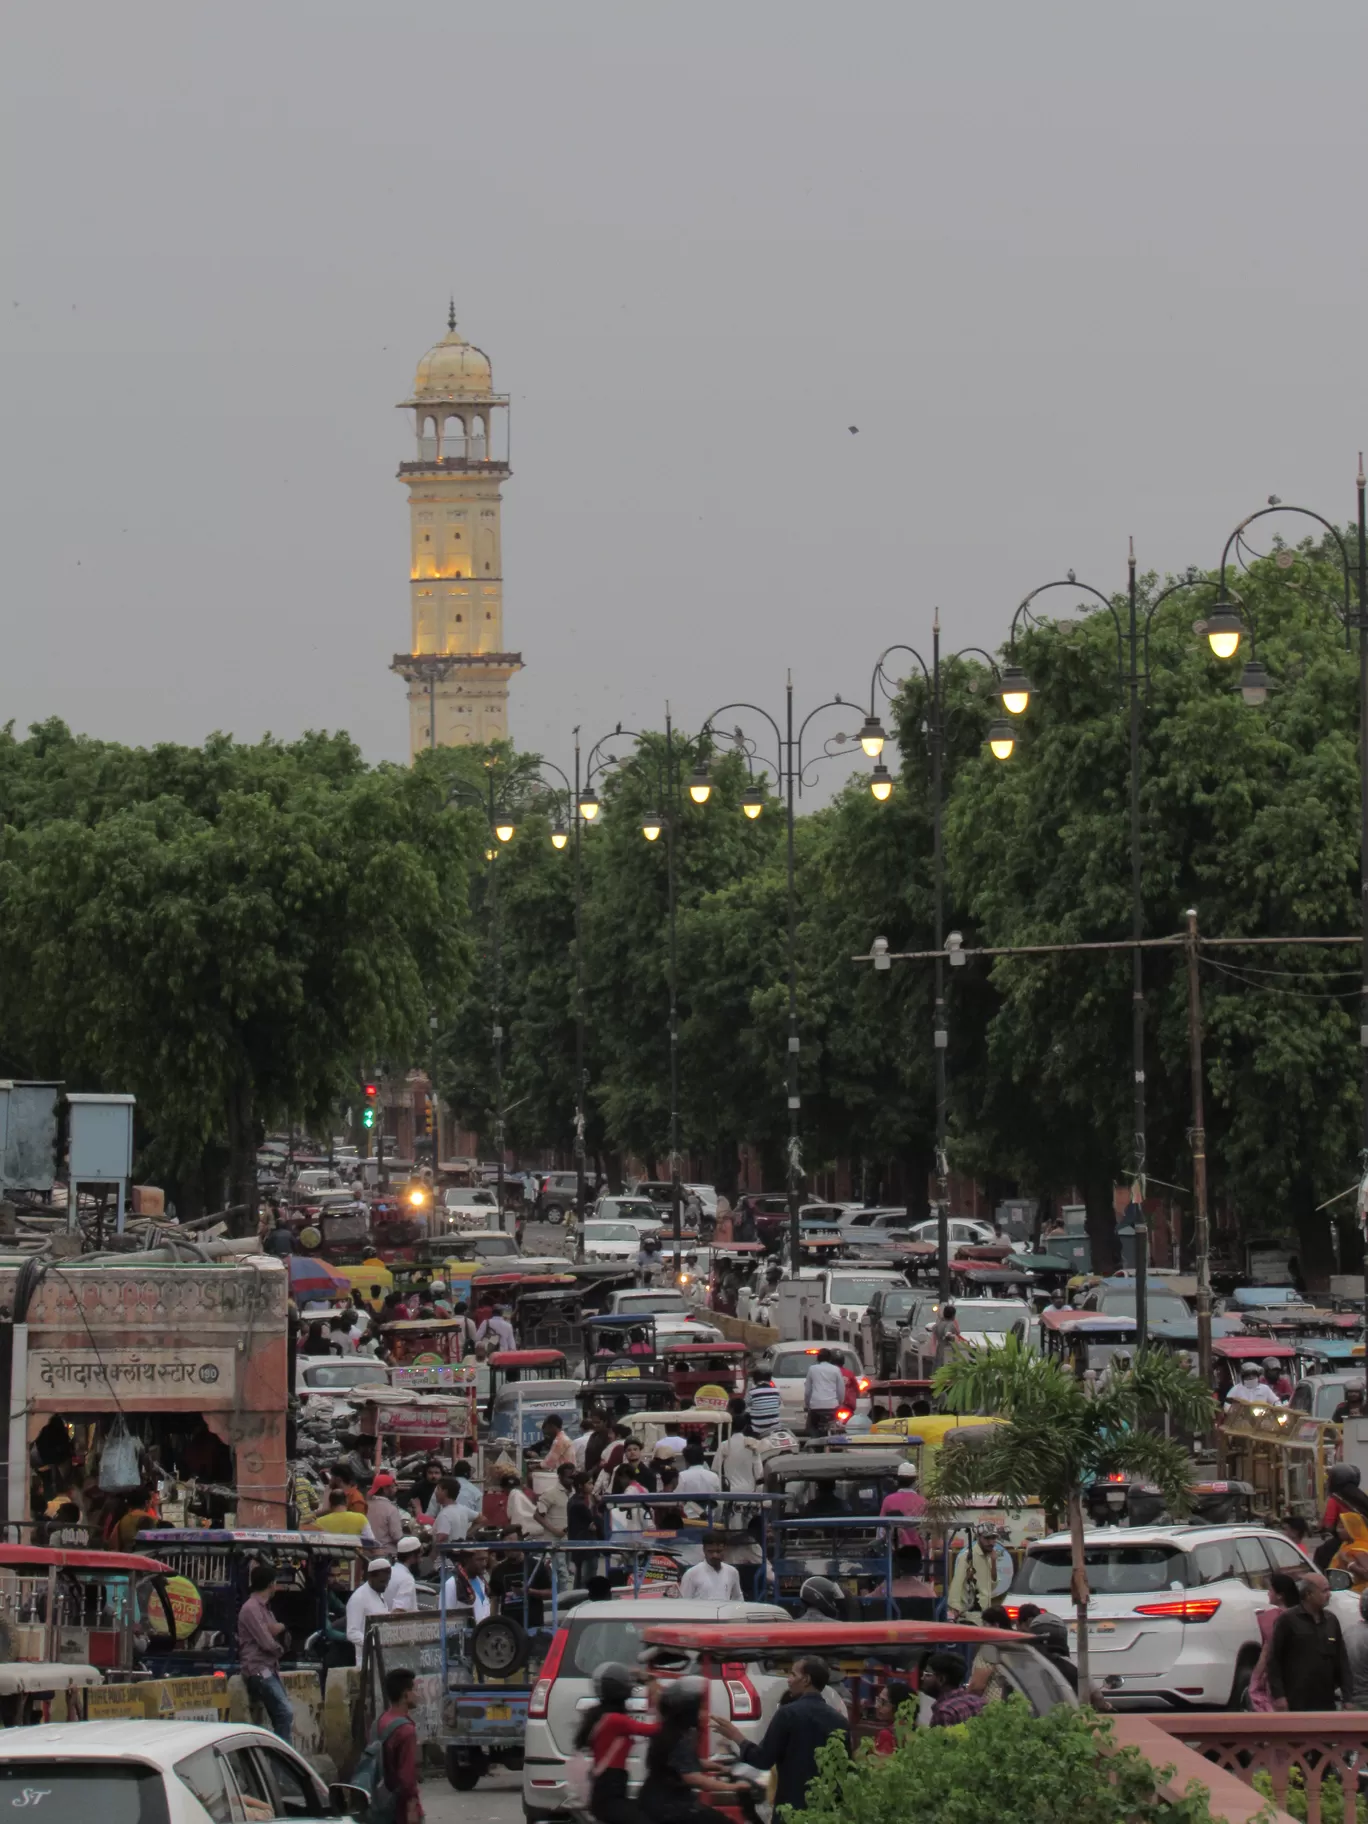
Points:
(455, 449)
(1301, 1747)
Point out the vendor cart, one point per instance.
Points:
(68, 1618)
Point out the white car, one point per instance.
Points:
(597, 1634)
(788, 1364)
(331, 1375)
(468, 1207)
(983, 1323)
(611, 1241)
(647, 1217)
(1172, 1617)
(151, 1772)
(964, 1232)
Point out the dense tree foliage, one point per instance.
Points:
(230, 933)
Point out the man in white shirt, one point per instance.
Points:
(697, 1479)
(497, 1330)
(1252, 1389)
(368, 1599)
(712, 1580)
(468, 1494)
(739, 1460)
(823, 1391)
(401, 1592)
(452, 1520)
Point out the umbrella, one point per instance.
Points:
(314, 1280)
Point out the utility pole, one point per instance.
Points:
(1201, 1227)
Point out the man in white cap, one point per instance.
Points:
(401, 1592)
(367, 1599)
(907, 1499)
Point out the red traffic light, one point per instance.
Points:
(371, 1092)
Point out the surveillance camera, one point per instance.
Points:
(954, 945)
(879, 951)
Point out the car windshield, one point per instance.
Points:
(346, 1374)
(995, 1318)
(649, 1303)
(66, 1792)
(1167, 1305)
(631, 1207)
(853, 1291)
(597, 1643)
(793, 1364)
(896, 1304)
(609, 1231)
(494, 1247)
(1113, 1570)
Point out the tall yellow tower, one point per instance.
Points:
(457, 670)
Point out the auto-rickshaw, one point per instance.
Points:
(979, 1278)
(422, 1340)
(1230, 1353)
(510, 1365)
(1084, 1340)
(209, 1572)
(551, 1317)
(863, 1656)
(629, 1393)
(895, 1393)
(408, 1419)
(609, 1334)
(690, 1367)
(67, 1618)
(931, 1428)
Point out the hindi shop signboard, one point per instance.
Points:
(94, 1378)
(451, 1421)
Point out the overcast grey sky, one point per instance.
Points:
(1075, 271)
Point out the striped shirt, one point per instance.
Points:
(762, 1403)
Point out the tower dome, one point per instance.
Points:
(453, 369)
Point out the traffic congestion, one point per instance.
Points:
(562, 1489)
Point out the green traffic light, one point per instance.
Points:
(368, 1119)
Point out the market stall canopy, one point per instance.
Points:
(313, 1279)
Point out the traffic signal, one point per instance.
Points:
(368, 1108)
(427, 1117)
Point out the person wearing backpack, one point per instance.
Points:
(388, 1769)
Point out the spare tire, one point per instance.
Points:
(500, 1646)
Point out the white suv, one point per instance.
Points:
(1172, 1616)
(598, 1634)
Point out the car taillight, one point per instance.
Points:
(1013, 1612)
(842, 1414)
(864, 1383)
(745, 1700)
(540, 1699)
(1190, 1608)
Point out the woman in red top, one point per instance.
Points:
(608, 1733)
(887, 1704)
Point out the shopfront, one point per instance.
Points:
(190, 1361)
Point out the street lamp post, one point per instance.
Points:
(665, 820)
(872, 739)
(1132, 646)
(791, 772)
(501, 827)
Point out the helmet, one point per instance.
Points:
(1050, 1634)
(1270, 1364)
(614, 1683)
(825, 1595)
(681, 1699)
(1344, 1475)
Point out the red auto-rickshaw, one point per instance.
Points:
(689, 1366)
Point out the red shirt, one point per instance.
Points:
(852, 1388)
(400, 1760)
(611, 1740)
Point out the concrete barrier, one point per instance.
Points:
(737, 1330)
(324, 1720)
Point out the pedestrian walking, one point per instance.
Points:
(1307, 1661)
(397, 1735)
(763, 1402)
(823, 1390)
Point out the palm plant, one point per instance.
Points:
(1057, 1437)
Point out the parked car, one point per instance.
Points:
(159, 1773)
(468, 1207)
(596, 1634)
(1172, 1620)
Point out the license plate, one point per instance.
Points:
(498, 1713)
(1095, 1627)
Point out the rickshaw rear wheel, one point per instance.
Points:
(464, 1767)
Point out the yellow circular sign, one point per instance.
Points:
(310, 1237)
(427, 1360)
(712, 1398)
(186, 1607)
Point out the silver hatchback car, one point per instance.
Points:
(595, 1634)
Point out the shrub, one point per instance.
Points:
(1004, 1767)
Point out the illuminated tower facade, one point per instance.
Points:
(456, 669)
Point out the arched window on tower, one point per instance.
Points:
(478, 445)
(427, 439)
(454, 438)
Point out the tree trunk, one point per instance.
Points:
(1101, 1219)
(1079, 1587)
(242, 1145)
